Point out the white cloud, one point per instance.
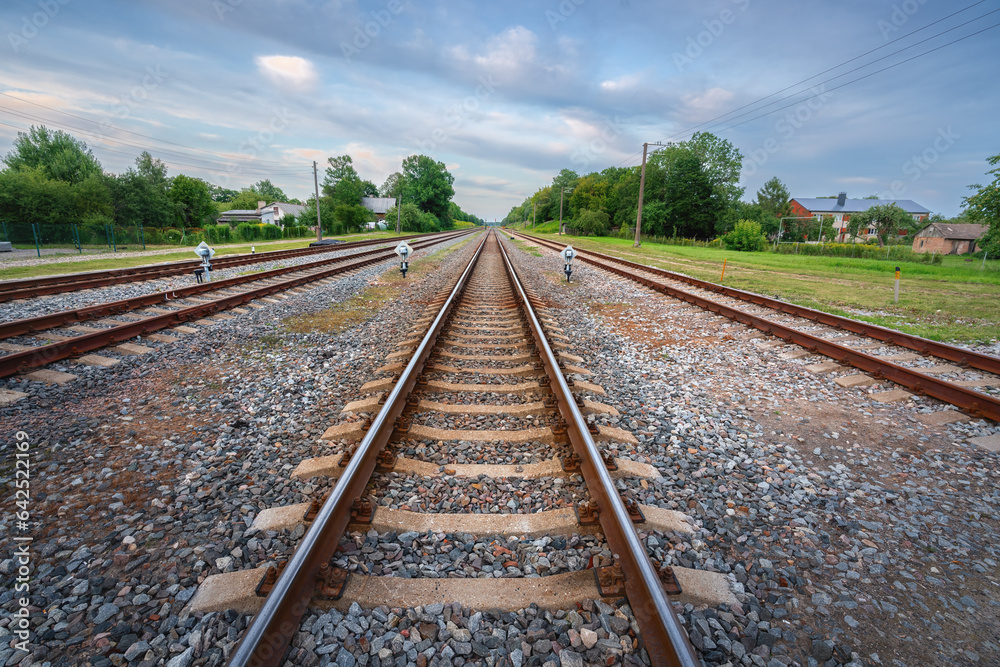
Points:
(288, 71)
(509, 50)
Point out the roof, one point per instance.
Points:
(292, 209)
(966, 232)
(378, 204)
(241, 211)
(829, 205)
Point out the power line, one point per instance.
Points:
(859, 67)
(144, 136)
(180, 159)
(830, 69)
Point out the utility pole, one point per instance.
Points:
(319, 223)
(642, 188)
(561, 188)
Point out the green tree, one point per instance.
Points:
(692, 205)
(269, 191)
(746, 236)
(720, 161)
(592, 222)
(428, 184)
(774, 198)
(192, 200)
(57, 154)
(351, 217)
(28, 195)
(141, 196)
(246, 200)
(220, 194)
(885, 219)
(393, 186)
(590, 193)
(984, 207)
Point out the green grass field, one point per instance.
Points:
(953, 301)
(11, 270)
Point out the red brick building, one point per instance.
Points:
(841, 209)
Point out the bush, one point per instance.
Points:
(747, 236)
(218, 233)
(592, 222)
(625, 232)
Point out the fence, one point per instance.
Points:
(73, 238)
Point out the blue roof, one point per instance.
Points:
(829, 205)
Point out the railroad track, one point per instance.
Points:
(973, 378)
(485, 353)
(30, 288)
(75, 332)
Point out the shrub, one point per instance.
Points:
(746, 237)
(218, 233)
(592, 222)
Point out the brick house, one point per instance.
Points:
(841, 209)
(947, 239)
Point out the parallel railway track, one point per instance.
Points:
(485, 347)
(29, 288)
(765, 314)
(77, 333)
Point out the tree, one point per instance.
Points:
(746, 236)
(28, 195)
(720, 161)
(246, 200)
(57, 154)
(590, 193)
(393, 186)
(428, 184)
(592, 222)
(141, 196)
(220, 194)
(192, 201)
(774, 198)
(984, 207)
(351, 216)
(269, 191)
(885, 219)
(692, 204)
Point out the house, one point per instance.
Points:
(273, 213)
(947, 239)
(841, 209)
(379, 206)
(269, 214)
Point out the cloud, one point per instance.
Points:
(290, 72)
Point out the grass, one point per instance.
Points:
(953, 301)
(125, 260)
(362, 306)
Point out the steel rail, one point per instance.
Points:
(42, 322)
(267, 638)
(45, 354)
(666, 641)
(959, 355)
(976, 403)
(71, 282)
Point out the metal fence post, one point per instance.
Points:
(113, 242)
(37, 234)
(142, 233)
(76, 237)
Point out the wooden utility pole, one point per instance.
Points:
(561, 189)
(642, 189)
(319, 223)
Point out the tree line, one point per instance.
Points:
(52, 178)
(692, 191)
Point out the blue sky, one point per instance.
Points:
(506, 94)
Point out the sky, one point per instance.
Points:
(506, 94)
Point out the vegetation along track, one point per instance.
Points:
(971, 383)
(488, 353)
(75, 332)
(29, 288)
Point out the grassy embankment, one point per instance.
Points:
(953, 301)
